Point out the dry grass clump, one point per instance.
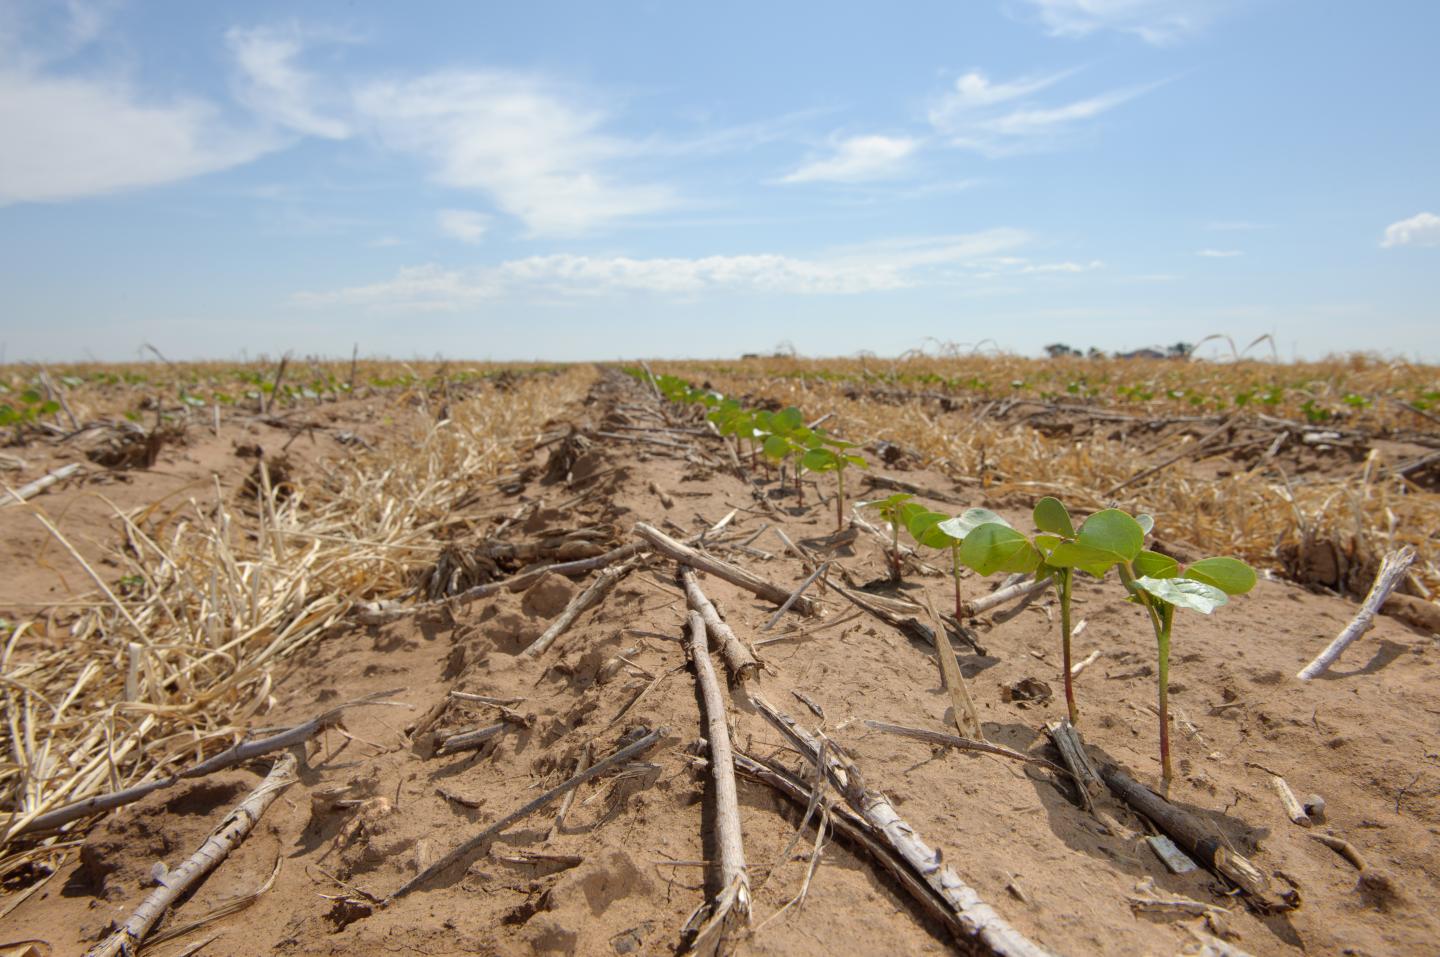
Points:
(1347, 517)
(221, 587)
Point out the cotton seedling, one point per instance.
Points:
(1106, 539)
(1160, 585)
(832, 455)
(890, 510)
(955, 531)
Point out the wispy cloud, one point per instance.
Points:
(858, 159)
(1001, 119)
(536, 150)
(1219, 253)
(1422, 229)
(1159, 22)
(465, 225)
(974, 90)
(273, 84)
(68, 137)
(902, 263)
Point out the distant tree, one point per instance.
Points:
(1095, 353)
(1180, 350)
(1056, 350)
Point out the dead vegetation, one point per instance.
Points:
(1316, 470)
(225, 586)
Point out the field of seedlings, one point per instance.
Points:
(955, 653)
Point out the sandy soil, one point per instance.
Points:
(625, 869)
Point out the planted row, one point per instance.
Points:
(985, 542)
(780, 437)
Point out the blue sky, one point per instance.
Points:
(593, 180)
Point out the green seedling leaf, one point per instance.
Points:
(856, 460)
(924, 527)
(1146, 522)
(1184, 593)
(889, 503)
(820, 460)
(969, 520)
(1046, 543)
(993, 547)
(789, 419)
(777, 447)
(1155, 565)
(1052, 516)
(1095, 561)
(1230, 575)
(1113, 531)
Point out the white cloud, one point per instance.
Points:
(1422, 229)
(538, 153)
(1219, 253)
(465, 225)
(872, 267)
(1001, 119)
(275, 87)
(974, 90)
(857, 159)
(1158, 22)
(67, 137)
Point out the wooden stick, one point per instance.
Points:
(731, 906)
(1293, 809)
(468, 740)
(1000, 596)
(1085, 775)
(465, 848)
(794, 595)
(1083, 663)
(739, 661)
(733, 574)
(1344, 848)
(1392, 570)
(964, 744)
(34, 488)
(230, 757)
(857, 830)
(224, 839)
(1195, 838)
(606, 580)
(962, 706)
(984, 929)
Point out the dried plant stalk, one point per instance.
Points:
(730, 909)
(224, 839)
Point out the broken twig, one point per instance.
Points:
(730, 908)
(237, 824)
(1392, 570)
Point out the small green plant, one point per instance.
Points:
(30, 408)
(1160, 585)
(890, 510)
(829, 454)
(956, 530)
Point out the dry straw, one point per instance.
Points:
(1361, 509)
(141, 684)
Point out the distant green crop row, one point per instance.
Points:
(782, 437)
